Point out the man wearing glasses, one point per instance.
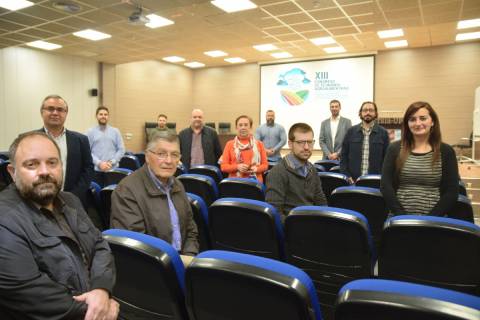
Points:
(364, 145)
(152, 201)
(293, 181)
(74, 147)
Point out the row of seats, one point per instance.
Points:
(220, 285)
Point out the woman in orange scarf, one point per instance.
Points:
(244, 156)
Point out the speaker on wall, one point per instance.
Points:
(94, 92)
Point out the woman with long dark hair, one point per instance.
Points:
(420, 172)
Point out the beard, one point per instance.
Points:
(270, 122)
(368, 119)
(43, 191)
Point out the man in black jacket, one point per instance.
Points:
(74, 147)
(199, 144)
(54, 262)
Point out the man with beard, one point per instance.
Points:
(364, 145)
(74, 147)
(107, 145)
(294, 181)
(199, 144)
(161, 127)
(332, 132)
(273, 137)
(54, 262)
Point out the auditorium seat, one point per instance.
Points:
(462, 210)
(395, 300)
(5, 178)
(116, 175)
(247, 226)
(367, 201)
(106, 204)
(335, 169)
(141, 157)
(129, 161)
(201, 185)
(150, 280)
(319, 168)
(331, 181)
(332, 245)
(248, 188)
(369, 180)
(200, 215)
(180, 170)
(224, 285)
(207, 170)
(462, 189)
(327, 164)
(435, 251)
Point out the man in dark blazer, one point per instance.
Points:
(74, 147)
(332, 145)
(199, 144)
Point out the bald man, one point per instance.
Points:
(199, 144)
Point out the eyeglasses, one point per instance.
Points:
(53, 109)
(368, 110)
(162, 155)
(302, 143)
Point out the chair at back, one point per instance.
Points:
(180, 170)
(367, 201)
(435, 251)
(395, 300)
(5, 178)
(200, 215)
(116, 175)
(4, 155)
(369, 180)
(247, 188)
(201, 185)
(335, 169)
(462, 210)
(327, 164)
(207, 170)
(106, 203)
(332, 245)
(319, 168)
(129, 161)
(141, 158)
(228, 285)
(150, 277)
(462, 189)
(331, 181)
(246, 226)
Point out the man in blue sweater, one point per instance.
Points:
(273, 137)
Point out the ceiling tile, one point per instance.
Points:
(343, 31)
(44, 13)
(344, 22)
(311, 26)
(327, 14)
(295, 18)
(22, 19)
(282, 8)
(10, 26)
(58, 28)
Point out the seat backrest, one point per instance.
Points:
(331, 181)
(229, 285)
(200, 215)
(150, 276)
(5, 178)
(367, 201)
(141, 158)
(180, 170)
(394, 300)
(247, 188)
(201, 185)
(223, 127)
(207, 170)
(116, 175)
(129, 161)
(462, 210)
(335, 169)
(210, 124)
(106, 204)
(319, 168)
(247, 226)
(369, 180)
(462, 189)
(327, 164)
(436, 251)
(332, 245)
(171, 125)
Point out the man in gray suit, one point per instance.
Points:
(332, 132)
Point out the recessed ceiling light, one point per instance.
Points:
(216, 53)
(194, 64)
(281, 55)
(265, 47)
(467, 36)
(465, 24)
(15, 4)
(173, 59)
(157, 21)
(235, 60)
(392, 33)
(396, 44)
(322, 41)
(338, 49)
(92, 35)
(44, 45)
(234, 5)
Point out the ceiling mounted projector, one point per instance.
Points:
(137, 17)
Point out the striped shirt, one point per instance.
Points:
(365, 149)
(419, 183)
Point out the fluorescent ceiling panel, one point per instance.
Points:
(396, 44)
(467, 36)
(281, 55)
(194, 64)
(92, 35)
(392, 33)
(173, 59)
(265, 47)
(44, 45)
(216, 53)
(235, 60)
(157, 21)
(338, 49)
(322, 41)
(15, 4)
(234, 5)
(465, 24)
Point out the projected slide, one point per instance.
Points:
(301, 91)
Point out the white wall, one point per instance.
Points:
(27, 76)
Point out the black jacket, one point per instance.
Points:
(210, 144)
(40, 268)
